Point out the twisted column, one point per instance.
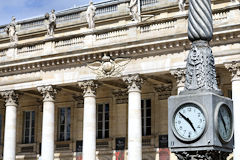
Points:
(200, 69)
(200, 25)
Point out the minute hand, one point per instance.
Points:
(188, 120)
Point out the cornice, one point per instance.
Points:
(76, 58)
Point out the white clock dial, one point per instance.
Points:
(189, 122)
(224, 120)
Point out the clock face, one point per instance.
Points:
(224, 123)
(189, 122)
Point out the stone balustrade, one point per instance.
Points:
(33, 24)
(158, 26)
(108, 9)
(112, 35)
(69, 42)
(68, 17)
(148, 2)
(33, 48)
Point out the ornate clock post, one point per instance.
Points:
(200, 118)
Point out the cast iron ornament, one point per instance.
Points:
(202, 155)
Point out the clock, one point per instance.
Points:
(189, 122)
(224, 122)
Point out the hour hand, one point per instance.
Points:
(188, 120)
(224, 124)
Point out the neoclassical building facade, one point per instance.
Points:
(93, 82)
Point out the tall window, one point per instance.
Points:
(64, 124)
(102, 121)
(29, 126)
(146, 116)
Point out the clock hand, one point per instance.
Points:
(188, 120)
(224, 124)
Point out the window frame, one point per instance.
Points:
(103, 129)
(144, 116)
(65, 124)
(30, 127)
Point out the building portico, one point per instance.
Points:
(101, 93)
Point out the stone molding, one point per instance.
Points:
(234, 68)
(121, 96)
(149, 49)
(179, 74)
(11, 97)
(134, 82)
(89, 88)
(48, 92)
(163, 91)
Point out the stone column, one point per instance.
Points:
(234, 68)
(11, 99)
(134, 117)
(89, 120)
(49, 93)
(179, 74)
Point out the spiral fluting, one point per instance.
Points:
(200, 20)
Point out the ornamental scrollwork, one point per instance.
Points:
(200, 70)
(202, 155)
(179, 74)
(134, 82)
(89, 87)
(48, 92)
(11, 97)
(234, 68)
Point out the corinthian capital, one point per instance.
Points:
(234, 68)
(179, 74)
(48, 92)
(134, 82)
(11, 97)
(89, 88)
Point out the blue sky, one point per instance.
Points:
(23, 9)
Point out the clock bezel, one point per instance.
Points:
(177, 135)
(216, 122)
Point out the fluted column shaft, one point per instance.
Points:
(89, 120)
(11, 98)
(134, 117)
(49, 93)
